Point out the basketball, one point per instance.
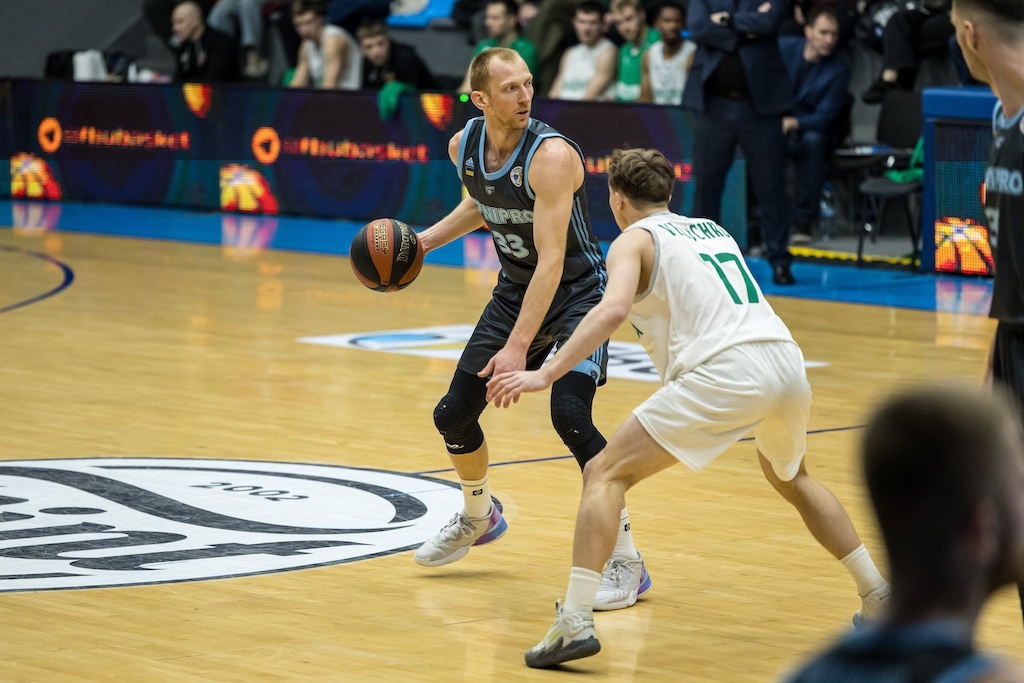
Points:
(386, 255)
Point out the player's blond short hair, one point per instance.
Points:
(479, 68)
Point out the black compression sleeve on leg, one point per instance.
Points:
(457, 414)
(572, 399)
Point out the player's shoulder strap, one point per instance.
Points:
(473, 128)
(541, 132)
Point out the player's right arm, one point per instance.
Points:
(300, 79)
(629, 260)
(463, 219)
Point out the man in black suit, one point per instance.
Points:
(739, 90)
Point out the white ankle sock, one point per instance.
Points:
(863, 571)
(477, 496)
(624, 548)
(583, 584)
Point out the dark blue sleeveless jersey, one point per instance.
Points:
(506, 201)
(1004, 209)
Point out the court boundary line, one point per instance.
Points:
(565, 457)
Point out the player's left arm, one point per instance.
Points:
(555, 172)
(625, 259)
(604, 73)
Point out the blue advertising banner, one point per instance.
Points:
(300, 152)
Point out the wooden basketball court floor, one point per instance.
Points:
(172, 349)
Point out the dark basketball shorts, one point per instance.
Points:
(1008, 359)
(571, 302)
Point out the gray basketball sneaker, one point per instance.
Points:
(622, 582)
(454, 540)
(571, 637)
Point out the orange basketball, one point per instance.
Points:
(386, 255)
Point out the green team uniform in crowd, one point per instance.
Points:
(627, 88)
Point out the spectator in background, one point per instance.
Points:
(943, 467)
(502, 25)
(739, 91)
(328, 57)
(158, 14)
(845, 10)
(386, 61)
(631, 23)
(587, 70)
(351, 14)
(243, 19)
(204, 53)
(667, 62)
(910, 35)
(820, 80)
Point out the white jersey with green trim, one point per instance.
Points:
(701, 298)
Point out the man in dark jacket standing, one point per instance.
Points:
(739, 91)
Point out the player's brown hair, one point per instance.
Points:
(318, 7)
(479, 68)
(644, 175)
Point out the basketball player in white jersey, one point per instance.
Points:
(729, 366)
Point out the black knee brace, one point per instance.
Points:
(572, 397)
(456, 415)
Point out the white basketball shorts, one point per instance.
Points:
(759, 386)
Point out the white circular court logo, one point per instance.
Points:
(89, 523)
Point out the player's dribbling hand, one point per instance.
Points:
(504, 389)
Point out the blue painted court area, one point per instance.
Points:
(841, 283)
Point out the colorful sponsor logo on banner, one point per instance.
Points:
(438, 109)
(198, 97)
(31, 178)
(962, 246)
(246, 190)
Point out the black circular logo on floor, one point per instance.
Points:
(99, 522)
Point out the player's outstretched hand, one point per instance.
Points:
(504, 389)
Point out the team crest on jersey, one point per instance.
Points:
(97, 522)
(489, 189)
(516, 176)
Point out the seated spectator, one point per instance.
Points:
(631, 23)
(158, 14)
(386, 61)
(820, 79)
(502, 25)
(204, 53)
(943, 470)
(667, 62)
(327, 56)
(587, 70)
(845, 10)
(910, 35)
(243, 19)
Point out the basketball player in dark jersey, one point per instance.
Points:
(526, 182)
(991, 35)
